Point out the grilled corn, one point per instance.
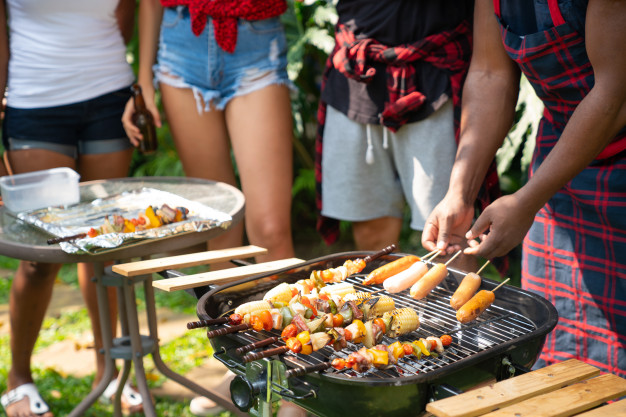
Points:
(281, 293)
(376, 306)
(401, 321)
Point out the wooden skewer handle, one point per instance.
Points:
(307, 369)
(227, 330)
(55, 240)
(248, 348)
(253, 356)
(380, 253)
(206, 323)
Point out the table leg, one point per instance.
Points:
(137, 349)
(165, 370)
(107, 341)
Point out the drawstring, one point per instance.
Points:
(369, 153)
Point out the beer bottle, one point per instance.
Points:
(142, 118)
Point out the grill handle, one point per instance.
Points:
(227, 330)
(253, 356)
(206, 323)
(248, 348)
(307, 369)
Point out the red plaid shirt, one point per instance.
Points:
(449, 50)
(225, 14)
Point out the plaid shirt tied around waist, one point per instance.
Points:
(225, 14)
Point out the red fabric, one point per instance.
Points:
(225, 14)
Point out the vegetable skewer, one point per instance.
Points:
(349, 267)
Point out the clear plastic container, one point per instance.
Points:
(39, 189)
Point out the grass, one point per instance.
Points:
(63, 392)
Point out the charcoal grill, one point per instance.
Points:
(505, 339)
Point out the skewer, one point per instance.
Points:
(501, 284)
(250, 347)
(227, 330)
(206, 323)
(380, 253)
(482, 267)
(253, 356)
(55, 240)
(453, 257)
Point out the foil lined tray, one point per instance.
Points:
(79, 218)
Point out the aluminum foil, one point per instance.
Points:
(79, 218)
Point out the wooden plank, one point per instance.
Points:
(222, 276)
(568, 401)
(616, 409)
(133, 269)
(482, 400)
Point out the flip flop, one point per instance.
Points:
(132, 402)
(37, 404)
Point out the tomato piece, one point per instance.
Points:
(350, 361)
(446, 340)
(235, 319)
(327, 275)
(92, 232)
(348, 335)
(256, 322)
(380, 323)
(294, 345)
(338, 364)
(266, 318)
(408, 348)
(294, 292)
(324, 296)
(337, 320)
(306, 302)
(289, 331)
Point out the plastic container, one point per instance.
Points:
(39, 189)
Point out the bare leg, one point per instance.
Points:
(377, 233)
(30, 295)
(203, 146)
(260, 128)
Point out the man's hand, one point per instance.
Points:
(446, 226)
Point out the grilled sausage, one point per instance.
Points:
(380, 274)
(429, 281)
(475, 306)
(406, 278)
(466, 290)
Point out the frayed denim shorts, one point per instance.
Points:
(214, 75)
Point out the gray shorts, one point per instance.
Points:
(415, 168)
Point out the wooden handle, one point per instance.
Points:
(55, 240)
(307, 369)
(248, 348)
(227, 330)
(380, 253)
(206, 323)
(254, 356)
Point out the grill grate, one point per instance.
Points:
(494, 327)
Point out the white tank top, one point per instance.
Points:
(64, 51)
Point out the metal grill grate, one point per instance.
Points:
(494, 327)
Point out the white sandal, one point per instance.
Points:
(132, 401)
(37, 404)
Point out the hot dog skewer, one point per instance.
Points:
(407, 278)
(431, 279)
(477, 304)
(467, 288)
(380, 274)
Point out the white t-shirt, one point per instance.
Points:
(64, 51)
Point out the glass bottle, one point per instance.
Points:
(142, 118)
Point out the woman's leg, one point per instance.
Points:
(31, 289)
(260, 128)
(203, 147)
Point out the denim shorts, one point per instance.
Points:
(88, 127)
(214, 75)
